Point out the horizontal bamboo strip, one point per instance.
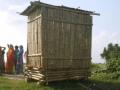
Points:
(59, 43)
(33, 55)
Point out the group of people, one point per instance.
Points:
(14, 61)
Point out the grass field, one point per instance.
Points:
(98, 81)
(7, 84)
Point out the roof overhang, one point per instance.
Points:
(36, 4)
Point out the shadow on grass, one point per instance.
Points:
(66, 85)
(84, 85)
(105, 85)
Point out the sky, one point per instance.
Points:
(106, 27)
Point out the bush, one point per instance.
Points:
(112, 56)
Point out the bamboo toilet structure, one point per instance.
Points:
(58, 42)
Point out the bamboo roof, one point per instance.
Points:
(39, 4)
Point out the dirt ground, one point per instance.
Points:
(14, 76)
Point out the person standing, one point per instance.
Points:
(16, 62)
(21, 58)
(2, 63)
(10, 59)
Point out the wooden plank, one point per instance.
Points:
(39, 35)
(33, 55)
(63, 40)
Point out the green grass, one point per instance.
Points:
(97, 81)
(103, 80)
(7, 84)
(98, 67)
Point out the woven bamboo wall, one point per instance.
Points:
(66, 46)
(59, 41)
(34, 39)
(66, 38)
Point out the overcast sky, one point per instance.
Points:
(106, 28)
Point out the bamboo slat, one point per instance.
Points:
(59, 43)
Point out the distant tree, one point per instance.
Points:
(111, 54)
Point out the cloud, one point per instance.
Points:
(3, 17)
(17, 8)
(11, 29)
(100, 40)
